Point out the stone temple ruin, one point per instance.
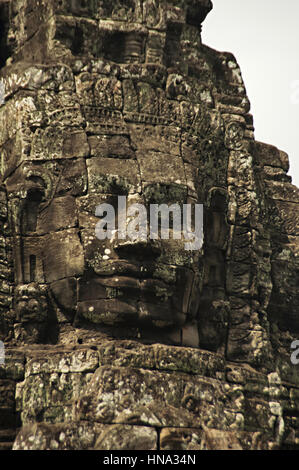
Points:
(130, 345)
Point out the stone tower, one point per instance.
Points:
(130, 344)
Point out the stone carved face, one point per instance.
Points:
(152, 283)
(149, 285)
(125, 125)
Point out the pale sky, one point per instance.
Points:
(264, 37)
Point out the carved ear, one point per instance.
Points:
(27, 178)
(216, 218)
(28, 188)
(39, 180)
(217, 199)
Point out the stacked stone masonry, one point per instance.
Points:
(139, 345)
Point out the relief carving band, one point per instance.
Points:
(148, 243)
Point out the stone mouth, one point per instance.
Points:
(117, 299)
(121, 280)
(166, 273)
(127, 288)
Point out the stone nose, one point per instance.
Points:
(139, 249)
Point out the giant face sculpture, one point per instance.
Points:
(137, 122)
(107, 99)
